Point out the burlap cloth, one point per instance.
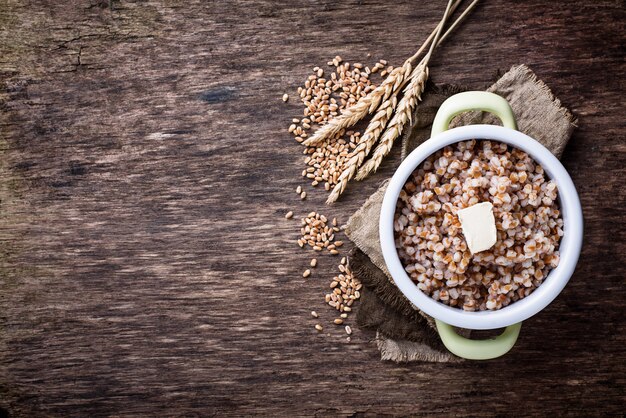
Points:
(403, 333)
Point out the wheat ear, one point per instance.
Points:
(369, 138)
(412, 95)
(372, 133)
(366, 105)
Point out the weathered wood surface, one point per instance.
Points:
(145, 169)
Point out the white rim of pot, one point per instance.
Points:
(569, 247)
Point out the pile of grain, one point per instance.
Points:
(324, 95)
(345, 290)
(317, 234)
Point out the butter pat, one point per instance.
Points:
(479, 226)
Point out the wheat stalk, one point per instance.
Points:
(366, 105)
(412, 95)
(391, 85)
(378, 124)
(403, 112)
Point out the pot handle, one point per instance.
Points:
(473, 100)
(478, 349)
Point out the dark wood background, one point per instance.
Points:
(145, 168)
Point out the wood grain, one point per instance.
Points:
(145, 168)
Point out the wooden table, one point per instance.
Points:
(145, 168)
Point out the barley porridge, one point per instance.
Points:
(429, 237)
